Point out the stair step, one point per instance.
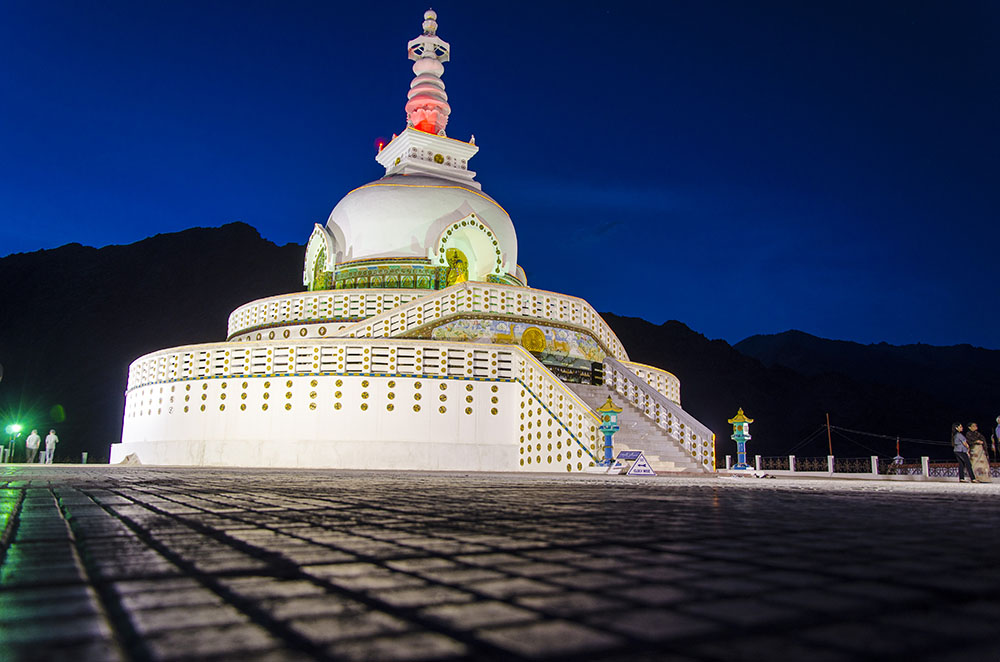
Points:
(638, 432)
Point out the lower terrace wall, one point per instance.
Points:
(502, 411)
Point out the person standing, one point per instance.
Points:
(977, 453)
(50, 446)
(961, 447)
(31, 445)
(996, 440)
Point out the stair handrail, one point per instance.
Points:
(588, 431)
(671, 386)
(692, 435)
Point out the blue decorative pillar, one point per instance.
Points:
(609, 425)
(741, 435)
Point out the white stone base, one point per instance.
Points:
(367, 454)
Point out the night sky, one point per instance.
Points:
(742, 167)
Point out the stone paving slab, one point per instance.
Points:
(142, 563)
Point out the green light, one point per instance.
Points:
(15, 428)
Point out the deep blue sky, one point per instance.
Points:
(742, 167)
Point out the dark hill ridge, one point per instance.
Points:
(73, 318)
(974, 372)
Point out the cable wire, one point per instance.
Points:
(856, 443)
(806, 440)
(908, 440)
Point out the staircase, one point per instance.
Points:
(639, 433)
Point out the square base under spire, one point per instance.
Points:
(415, 152)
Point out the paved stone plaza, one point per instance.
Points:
(135, 563)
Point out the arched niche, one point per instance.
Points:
(473, 239)
(321, 256)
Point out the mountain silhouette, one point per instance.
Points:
(73, 318)
(972, 372)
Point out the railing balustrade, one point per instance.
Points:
(882, 466)
(341, 355)
(811, 464)
(390, 313)
(911, 466)
(696, 439)
(949, 469)
(313, 307)
(852, 465)
(779, 463)
(489, 298)
(663, 381)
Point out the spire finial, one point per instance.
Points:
(427, 106)
(430, 22)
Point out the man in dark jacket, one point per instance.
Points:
(961, 448)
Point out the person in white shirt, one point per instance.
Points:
(31, 445)
(50, 446)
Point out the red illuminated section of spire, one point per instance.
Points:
(427, 125)
(427, 106)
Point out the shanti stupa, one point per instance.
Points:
(416, 345)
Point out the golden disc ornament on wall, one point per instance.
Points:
(533, 339)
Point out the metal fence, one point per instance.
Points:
(811, 464)
(882, 466)
(907, 466)
(780, 463)
(852, 465)
(946, 469)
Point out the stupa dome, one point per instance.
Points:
(418, 216)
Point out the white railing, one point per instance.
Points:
(661, 380)
(695, 438)
(315, 307)
(492, 299)
(328, 356)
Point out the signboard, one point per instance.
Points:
(631, 463)
(641, 467)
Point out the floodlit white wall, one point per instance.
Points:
(351, 403)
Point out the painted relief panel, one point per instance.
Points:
(536, 338)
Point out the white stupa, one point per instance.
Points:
(417, 345)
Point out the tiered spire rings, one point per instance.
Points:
(427, 106)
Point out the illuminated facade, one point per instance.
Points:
(416, 345)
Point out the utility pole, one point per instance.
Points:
(829, 437)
